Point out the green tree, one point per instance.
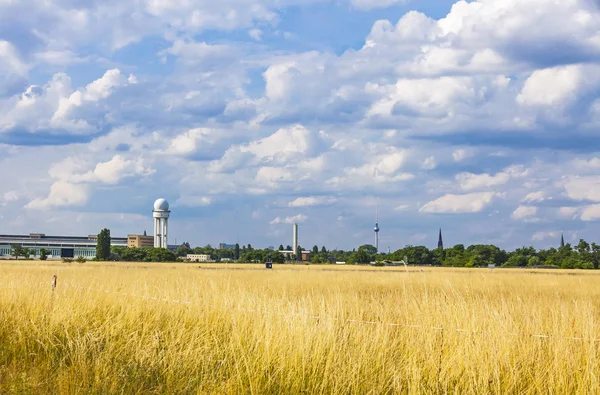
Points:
(595, 255)
(18, 250)
(316, 258)
(315, 250)
(236, 251)
(362, 256)
(280, 247)
(323, 250)
(183, 250)
(534, 261)
(44, 254)
(103, 245)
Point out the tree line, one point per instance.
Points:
(581, 256)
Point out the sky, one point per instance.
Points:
(477, 117)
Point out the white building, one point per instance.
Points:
(198, 258)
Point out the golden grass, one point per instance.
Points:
(293, 329)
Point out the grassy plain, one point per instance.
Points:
(296, 329)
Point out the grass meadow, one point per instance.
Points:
(200, 328)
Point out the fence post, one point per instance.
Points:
(53, 283)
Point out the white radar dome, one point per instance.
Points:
(161, 205)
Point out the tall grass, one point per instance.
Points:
(287, 330)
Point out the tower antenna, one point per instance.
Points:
(376, 228)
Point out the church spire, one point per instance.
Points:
(440, 241)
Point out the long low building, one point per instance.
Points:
(58, 246)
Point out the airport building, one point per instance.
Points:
(58, 246)
(137, 241)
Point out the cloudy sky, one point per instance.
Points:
(480, 117)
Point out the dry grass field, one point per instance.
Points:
(199, 328)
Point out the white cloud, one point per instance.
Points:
(429, 163)
(583, 188)
(289, 220)
(568, 212)
(192, 140)
(587, 164)
(9, 197)
(470, 181)
(115, 170)
(72, 183)
(523, 212)
(459, 155)
(536, 197)
(256, 34)
(552, 87)
(403, 207)
(312, 201)
(10, 60)
(540, 236)
(460, 204)
(194, 201)
(590, 213)
(51, 106)
(62, 194)
(95, 91)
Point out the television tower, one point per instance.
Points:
(376, 228)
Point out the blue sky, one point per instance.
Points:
(479, 117)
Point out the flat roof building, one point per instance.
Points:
(137, 241)
(198, 258)
(58, 246)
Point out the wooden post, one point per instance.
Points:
(53, 283)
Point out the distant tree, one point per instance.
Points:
(288, 248)
(236, 251)
(44, 254)
(369, 249)
(183, 250)
(595, 255)
(249, 247)
(582, 247)
(275, 257)
(534, 261)
(280, 247)
(162, 255)
(323, 250)
(362, 256)
(103, 245)
(18, 250)
(315, 250)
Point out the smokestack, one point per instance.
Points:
(295, 240)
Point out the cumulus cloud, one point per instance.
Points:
(51, 107)
(470, 181)
(459, 155)
(429, 163)
(72, 184)
(312, 201)
(523, 212)
(460, 204)
(195, 201)
(9, 197)
(62, 194)
(536, 197)
(583, 188)
(289, 220)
